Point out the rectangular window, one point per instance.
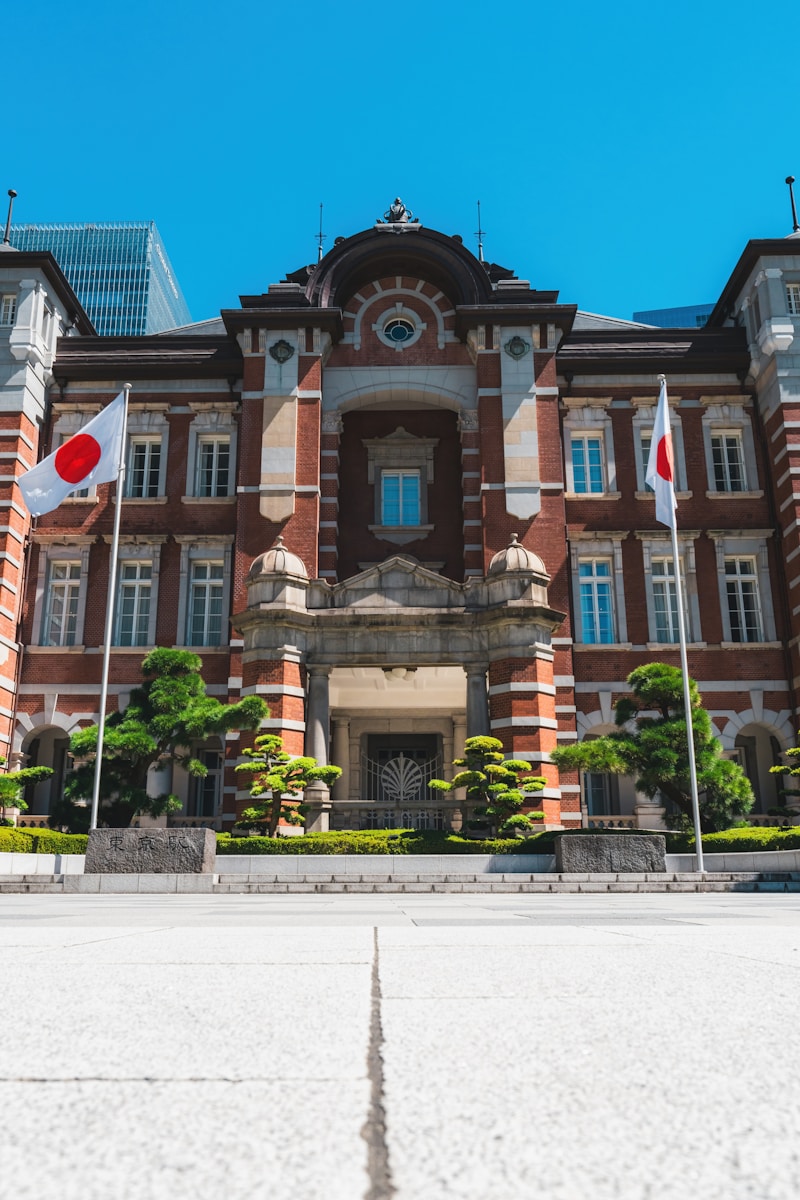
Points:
(645, 441)
(597, 793)
(744, 606)
(144, 468)
(206, 791)
(728, 461)
(8, 309)
(133, 604)
(597, 611)
(793, 298)
(205, 604)
(665, 600)
(587, 463)
(61, 607)
(400, 498)
(213, 466)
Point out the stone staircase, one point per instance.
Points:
(267, 883)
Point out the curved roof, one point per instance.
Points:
(398, 250)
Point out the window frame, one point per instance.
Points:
(657, 547)
(583, 440)
(727, 416)
(722, 468)
(643, 423)
(401, 474)
(397, 453)
(215, 422)
(734, 591)
(53, 550)
(214, 491)
(210, 549)
(793, 298)
(754, 548)
(8, 309)
(152, 477)
(590, 418)
(593, 582)
(143, 552)
(588, 546)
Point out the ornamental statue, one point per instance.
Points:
(397, 214)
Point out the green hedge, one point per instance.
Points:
(737, 841)
(42, 841)
(380, 841)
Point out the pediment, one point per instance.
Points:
(398, 582)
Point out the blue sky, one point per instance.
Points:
(623, 153)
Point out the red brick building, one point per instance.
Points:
(401, 496)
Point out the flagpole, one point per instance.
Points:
(687, 700)
(109, 632)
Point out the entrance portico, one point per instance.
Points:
(400, 665)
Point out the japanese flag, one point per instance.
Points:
(661, 463)
(92, 456)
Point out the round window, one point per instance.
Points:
(398, 330)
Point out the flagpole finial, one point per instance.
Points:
(662, 379)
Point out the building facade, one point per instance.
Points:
(120, 272)
(401, 496)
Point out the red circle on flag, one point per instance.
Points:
(77, 457)
(664, 458)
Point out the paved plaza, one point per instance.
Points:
(421, 1047)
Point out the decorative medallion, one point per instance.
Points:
(517, 347)
(281, 351)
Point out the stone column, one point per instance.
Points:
(477, 700)
(317, 795)
(460, 794)
(341, 756)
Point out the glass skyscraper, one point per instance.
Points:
(119, 271)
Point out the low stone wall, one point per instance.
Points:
(288, 866)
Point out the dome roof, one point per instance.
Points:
(277, 561)
(516, 558)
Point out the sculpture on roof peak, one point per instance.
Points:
(398, 214)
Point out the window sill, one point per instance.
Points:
(80, 500)
(652, 495)
(143, 500)
(661, 646)
(400, 534)
(603, 646)
(55, 649)
(750, 645)
(208, 499)
(592, 495)
(203, 649)
(734, 495)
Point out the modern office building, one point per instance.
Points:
(401, 496)
(119, 271)
(687, 316)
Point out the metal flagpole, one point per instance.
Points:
(109, 632)
(686, 692)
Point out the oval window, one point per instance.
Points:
(398, 330)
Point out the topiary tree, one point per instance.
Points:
(12, 784)
(655, 751)
(279, 778)
(165, 716)
(494, 785)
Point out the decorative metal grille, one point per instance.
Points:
(401, 780)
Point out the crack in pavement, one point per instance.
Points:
(373, 1130)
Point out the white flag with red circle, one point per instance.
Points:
(660, 472)
(92, 456)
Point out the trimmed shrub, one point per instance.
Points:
(381, 841)
(50, 841)
(738, 841)
(44, 841)
(15, 841)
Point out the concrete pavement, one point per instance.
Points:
(480, 1047)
